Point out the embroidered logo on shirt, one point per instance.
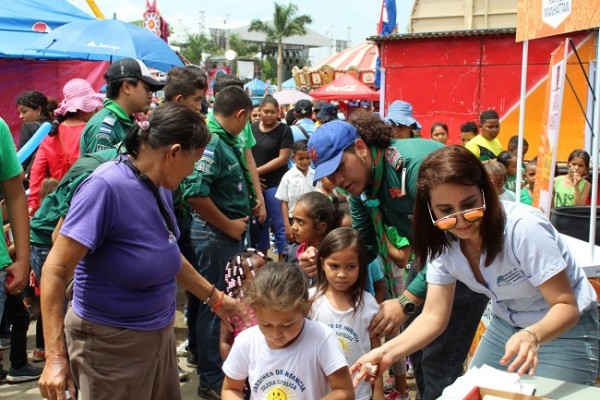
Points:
(109, 121)
(396, 193)
(509, 278)
(394, 157)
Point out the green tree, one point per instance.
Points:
(196, 45)
(285, 24)
(243, 48)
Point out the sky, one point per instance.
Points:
(331, 18)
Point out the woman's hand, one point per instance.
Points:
(56, 379)
(371, 366)
(229, 308)
(308, 261)
(524, 345)
(388, 320)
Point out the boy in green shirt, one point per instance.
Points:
(218, 193)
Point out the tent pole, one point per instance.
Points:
(595, 147)
(521, 120)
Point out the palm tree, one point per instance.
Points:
(285, 24)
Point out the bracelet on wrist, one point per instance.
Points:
(535, 337)
(212, 291)
(216, 307)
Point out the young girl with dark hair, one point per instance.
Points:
(573, 189)
(340, 302)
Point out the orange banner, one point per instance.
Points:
(544, 177)
(540, 18)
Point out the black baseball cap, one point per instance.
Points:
(304, 108)
(132, 68)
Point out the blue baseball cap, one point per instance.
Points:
(327, 144)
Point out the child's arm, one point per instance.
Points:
(18, 215)
(285, 213)
(581, 198)
(379, 287)
(233, 389)
(206, 208)
(341, 385)
(225, 340)
(378, 385)
(260, 209)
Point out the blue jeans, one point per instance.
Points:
(438, 364)
(37, 257)
(213, 250)
(275, 220)
(573, 357)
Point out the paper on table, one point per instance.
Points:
(487, 377)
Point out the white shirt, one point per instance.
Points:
(299, 370)
(350, 328)
(293, 185)
(533, 253)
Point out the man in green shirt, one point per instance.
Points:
(129, 87)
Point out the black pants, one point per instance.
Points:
(17, 316)
(438, 364)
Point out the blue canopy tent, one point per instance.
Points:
(256, 87)
(22, 22)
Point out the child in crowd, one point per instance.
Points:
(286, 355)
(239, 272)
(509, 160)
(513, 145)
(255, 114)
(468, 131)
(527, 192)
(329, 190)
(487, 146)
(294, 183)
(573, 189)
(439, 132)
(497, 174)
(315, 215)
(340, 302)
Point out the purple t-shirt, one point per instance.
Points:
(128, 277)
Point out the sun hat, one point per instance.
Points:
(327, 144)
(79, 95)
(132, 68)
(401, 113)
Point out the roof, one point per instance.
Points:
(311, 39)
(434, 35)
(361, 56)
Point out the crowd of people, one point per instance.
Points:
(321, 258)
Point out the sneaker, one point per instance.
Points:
(410, 373)
(38, 355)
(183, 376)
(396, 395)
(192, 360)
(25, 374)
(4, 344)
(182, 349)
(209, 393)
(389, 384)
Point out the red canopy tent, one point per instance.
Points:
(346, 87)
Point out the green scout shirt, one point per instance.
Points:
(9, 168)
(397, 193)
(106, 128)
(218, 175)
(57, 203)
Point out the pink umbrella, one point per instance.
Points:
(291, 96)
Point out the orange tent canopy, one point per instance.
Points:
(346, 87)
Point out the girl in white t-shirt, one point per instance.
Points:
(340, 302)
(285, 355)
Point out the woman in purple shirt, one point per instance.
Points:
(119, 240)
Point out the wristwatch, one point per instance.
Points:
(408, 306)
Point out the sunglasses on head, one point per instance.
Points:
(449, 221)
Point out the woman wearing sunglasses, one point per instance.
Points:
(545, 312)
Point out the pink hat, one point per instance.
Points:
(79, 95)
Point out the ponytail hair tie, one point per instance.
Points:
(144, 125)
